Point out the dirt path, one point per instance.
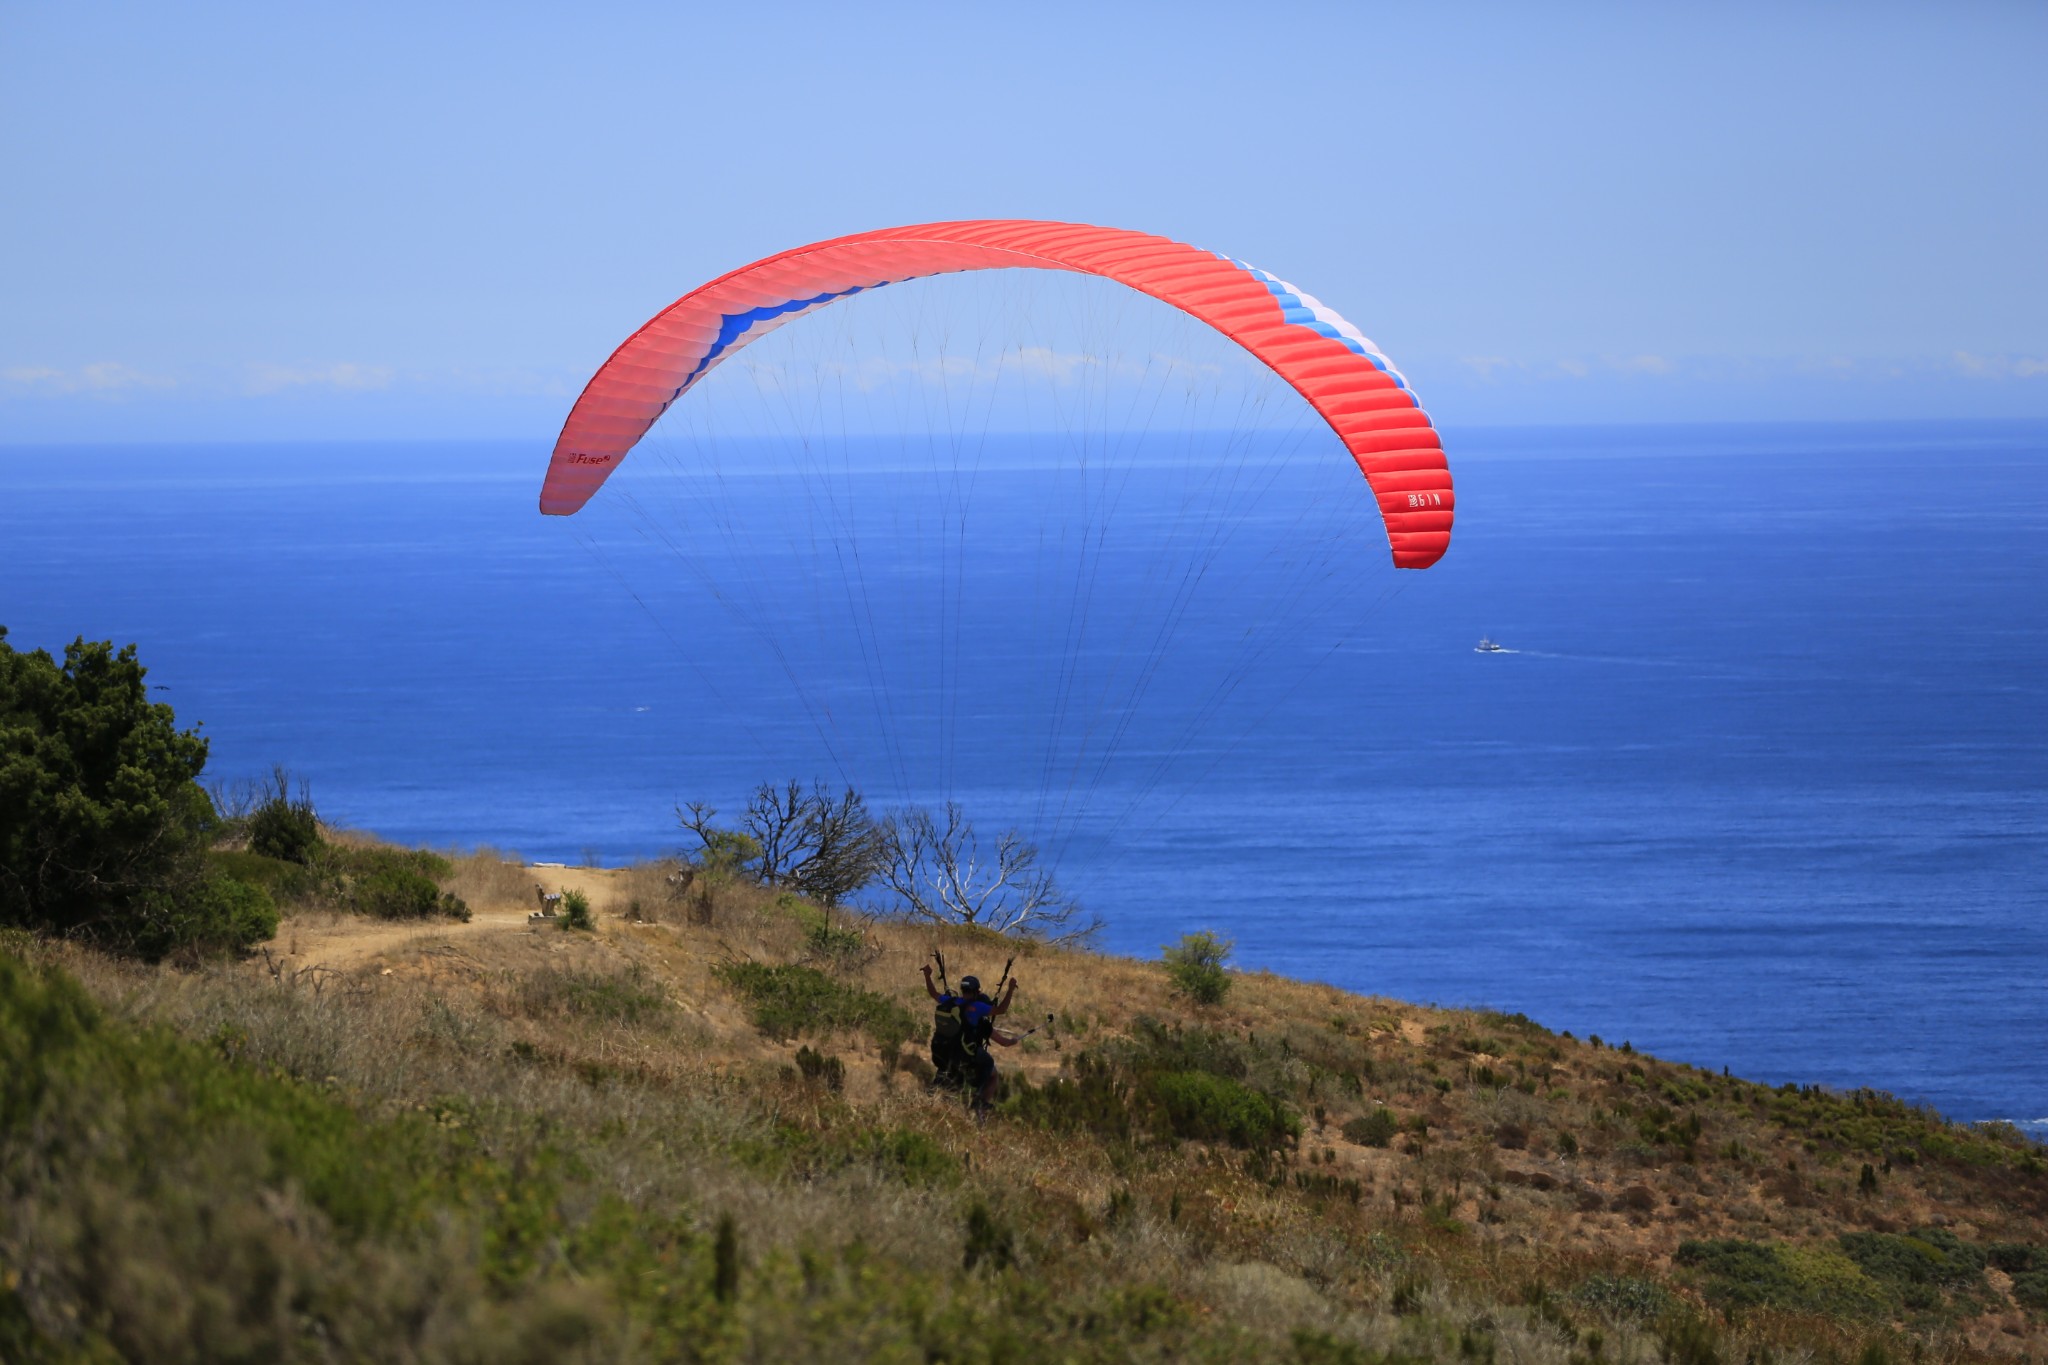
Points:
(345, 942)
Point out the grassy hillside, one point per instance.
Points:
(703, 1135)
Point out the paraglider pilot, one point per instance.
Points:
(963, 1027)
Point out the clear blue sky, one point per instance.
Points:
(311, 220)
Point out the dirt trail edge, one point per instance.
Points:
(346, 942)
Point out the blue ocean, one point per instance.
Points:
(1759, 778)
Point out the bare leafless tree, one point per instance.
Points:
(807, 840)
(939, 870)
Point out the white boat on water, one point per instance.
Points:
(1486, 646)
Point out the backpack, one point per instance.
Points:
(976, 1025)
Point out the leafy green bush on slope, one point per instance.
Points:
(794, 1001)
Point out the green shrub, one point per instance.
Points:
(215, 914)
(2014, 1257)
(1152, 1046)
(913, 1158)
(1811, 1279)
(2030, 1289)
(790, 1001)
(1198, 1105)
(1094, 1099)
(820, 1069)
(1195, 966)
(725, 1260)
(359, 862)
(1320, 1348)
(391, 883)
(395, 893)
(1830, 1282)
(1931, 1257)
(629, 997)
(285, 827)
(1739, 1274)
(990, 1240)
(1376, 1129)
(287, 883)
(836, 945)
(1199, 1084)
(576, 912)
(1625, 1298)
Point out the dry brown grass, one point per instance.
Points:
(353, 838)
(489, 879)
(649, 891)
(628, 1038)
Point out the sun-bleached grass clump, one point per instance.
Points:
(489, 879)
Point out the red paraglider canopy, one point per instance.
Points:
(1329, 362)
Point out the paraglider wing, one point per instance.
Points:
(1327, 360)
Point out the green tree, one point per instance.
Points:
(102, 819)
(1195, 965)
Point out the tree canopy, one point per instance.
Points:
(102, 819)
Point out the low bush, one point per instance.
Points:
(792, 1001)
(284, 826)
(1206, 1084)
(1624, 1298)
(912, 1157)
(395, 893)
(576, 912)
(212, 915)
(1932, 1258)
(1120, 1093)
(829, 944)
(377, 880)
(629, 997)
(990, 1241)
(1093, 1098)
(1810, 1279)
(1198, 1105)
(1739, 1274)
(286, 883)
(2015, 1257)
(819, 1069)
(1153, 1046)
(1376, 1129)
(1195, 965)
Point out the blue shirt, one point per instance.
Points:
(977, 1017)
